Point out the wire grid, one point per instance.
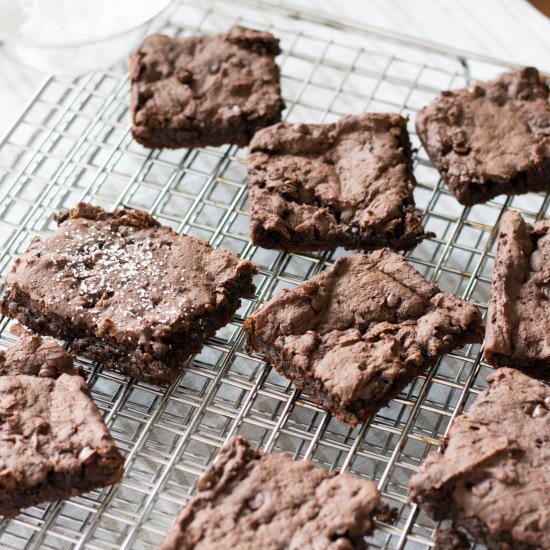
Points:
(73, 143)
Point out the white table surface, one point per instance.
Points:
(507, 29)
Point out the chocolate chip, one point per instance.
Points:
(256, 501)
(144, 94)
(47, 372)
(56, 357)
(461, 149)
(478, 91)
(81, 301)
(160, 349)
(393, 300)
(302, 129)
(207, 481)
(185, 76)
(86, 455)
(342, 544)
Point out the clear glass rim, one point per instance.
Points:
(14, 40)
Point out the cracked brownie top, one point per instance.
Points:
(491, 476)
(356, 334)
(249, 499)
(53, 441)
(319, 186)
(205, 90)
(491, 138)
(125, 275)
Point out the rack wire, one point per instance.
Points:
(72, 142)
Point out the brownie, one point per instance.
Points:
(355, 335)
(249, 499)
(492, 476)
(518, 322)
(53, 441)
(204, 90)
(320, 186)
(491, 139)
(126, 291)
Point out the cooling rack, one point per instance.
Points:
(72, 142)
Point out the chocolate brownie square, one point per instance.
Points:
(204, 90)
(126, 291)
(492, 476)
(53, 441)
(491, 139)
(355, 335)
(320, 186)
(518, 322)
(249, 499)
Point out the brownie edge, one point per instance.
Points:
(249, 499)
(518, 321)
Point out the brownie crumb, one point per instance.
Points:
(450, 539)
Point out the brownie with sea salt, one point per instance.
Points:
(204, 90)
(321, 186)
(492, 138)
(518, 321)
(126, 291)
(355, 335)
(491, 476)
(53, 441)
(249, 499)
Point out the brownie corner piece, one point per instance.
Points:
(355, 335)
(126, 291)
(251, 499)
(204, 90)
(460, 131)
(518, 321)
(492, 477)
(321, 186)
(53, 441)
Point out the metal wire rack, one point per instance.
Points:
(72, 142)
